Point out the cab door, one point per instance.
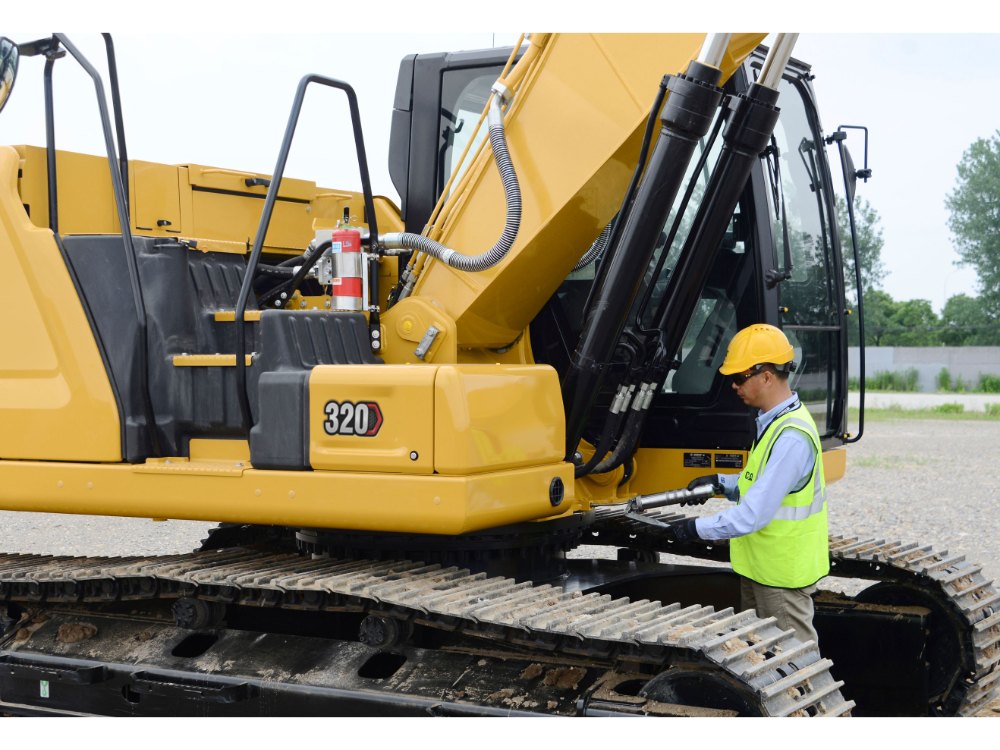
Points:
(805, 288)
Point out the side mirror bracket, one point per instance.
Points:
(851, 174)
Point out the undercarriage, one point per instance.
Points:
(265, 629)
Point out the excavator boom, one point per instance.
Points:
(574, 127)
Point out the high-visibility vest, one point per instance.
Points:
(792, 551)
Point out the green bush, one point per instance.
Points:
(989, 383)
(880, 381)
(944, 380)
(893, 381)
(853, 384)
(993, 410)
(950, 408)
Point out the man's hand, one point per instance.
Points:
(710, 480)
(682, 531)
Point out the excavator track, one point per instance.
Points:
(906, 574)
(785, 676)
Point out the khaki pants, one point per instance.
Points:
(792, 608)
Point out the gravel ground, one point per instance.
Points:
(55, 533)
(925, 481)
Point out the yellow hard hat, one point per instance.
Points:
(756, 345)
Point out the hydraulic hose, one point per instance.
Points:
(612, 424)
(292, 284)
(512, 193)
(647, 139)
(617, 413)
(686, 117)
(630, 434)
(285, 272)
(746, 136)
(597, 248)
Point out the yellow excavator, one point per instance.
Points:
(440, 439)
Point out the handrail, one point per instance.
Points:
(121, 203)
(265, 219)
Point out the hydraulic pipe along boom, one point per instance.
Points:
(687, 116)
(747, 134)
(745, 137)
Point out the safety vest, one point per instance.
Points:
(792, 551)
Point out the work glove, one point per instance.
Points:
(682, 531)
(709, 479)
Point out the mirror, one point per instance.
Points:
(850, 175)
(8, 68)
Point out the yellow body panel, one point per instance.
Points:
(155, 196)
(834, 464)
(209, 204)
(493, 417)
(222, 491)
(454, 420)
(55, 399)
(405, 396)
(86, 199)
(603, 84)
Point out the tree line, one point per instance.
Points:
(974, 208)
(963, 321)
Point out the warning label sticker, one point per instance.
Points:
(729, 460)
(698, 460)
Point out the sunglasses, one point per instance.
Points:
(741, 377)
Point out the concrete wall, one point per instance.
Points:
(966, 362)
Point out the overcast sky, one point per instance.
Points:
(222, 98)
(925, 98)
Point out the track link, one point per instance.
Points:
(788, 677)
(956, 586)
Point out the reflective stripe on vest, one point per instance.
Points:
(797, 512)
(792, 550)
(800, 512)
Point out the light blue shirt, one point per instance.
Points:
(788, 468)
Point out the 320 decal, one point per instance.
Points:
(358, 419)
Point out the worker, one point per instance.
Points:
(778, 529)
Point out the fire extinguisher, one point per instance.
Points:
(347, 283)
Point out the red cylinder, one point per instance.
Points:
(346, 284)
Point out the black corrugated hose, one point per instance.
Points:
(512, 192)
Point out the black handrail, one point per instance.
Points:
(865, 174)
(50, 145)
(116, 101)
(121, 203)
(265, 220)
